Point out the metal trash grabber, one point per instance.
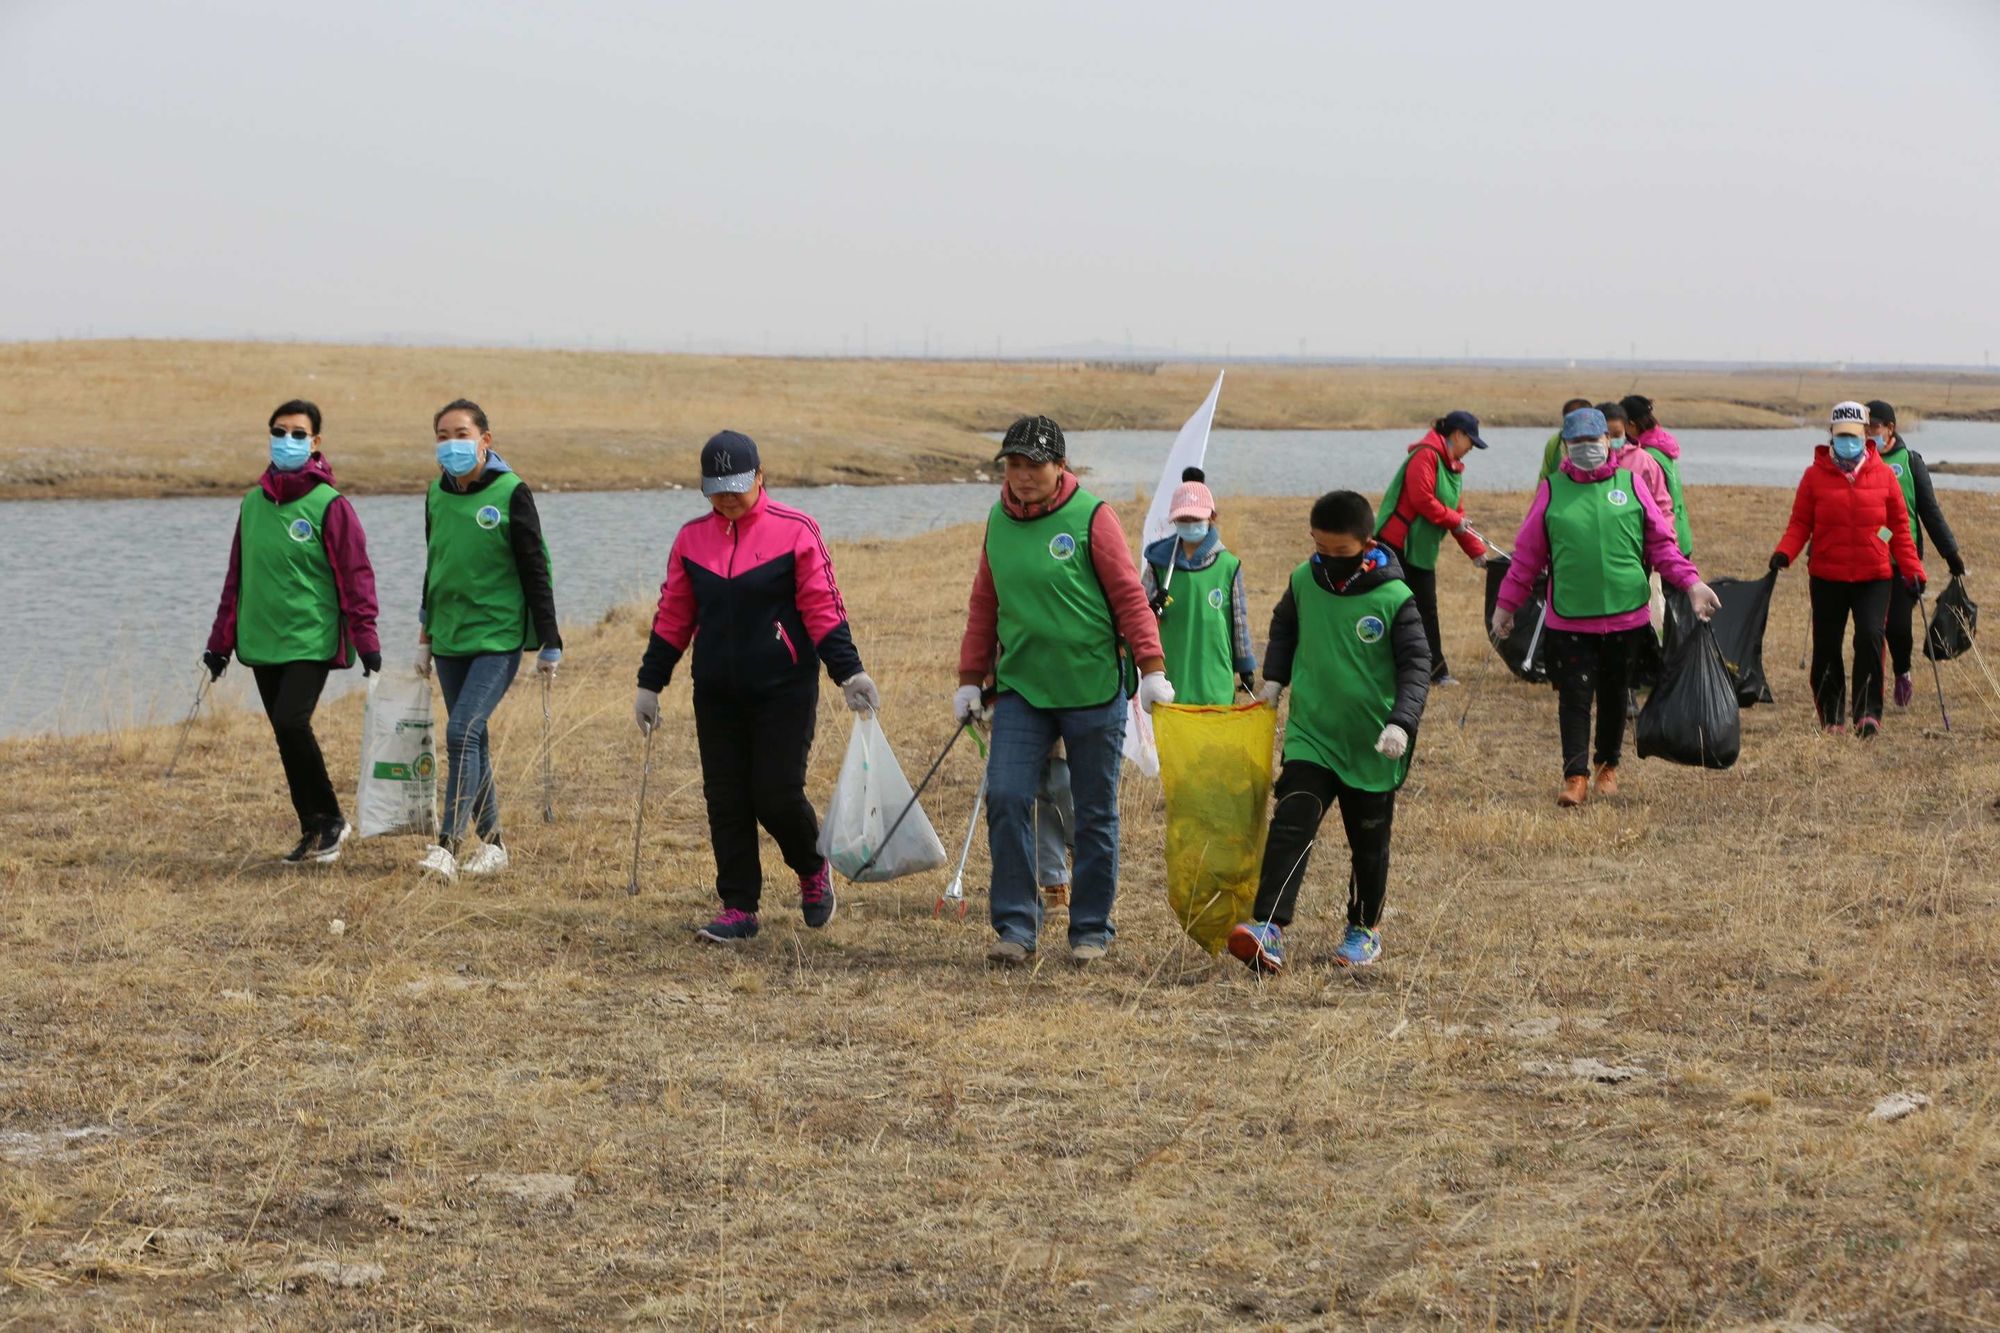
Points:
(955, 892)
(1936, 675)
(200, 693)
(639, 821)
(890, 836)
(548, 772)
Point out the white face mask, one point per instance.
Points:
(1589, 455)
(1192, 529)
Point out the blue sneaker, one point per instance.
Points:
(729, 927)
(1261, 945)
(1359, 947)
(816, 901)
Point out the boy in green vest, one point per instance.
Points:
(1195, 587)
(1349, 640)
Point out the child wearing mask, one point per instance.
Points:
(1349, 640)
(1195, 588)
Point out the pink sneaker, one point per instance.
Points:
(816, 900)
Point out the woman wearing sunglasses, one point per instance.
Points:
(298, 602)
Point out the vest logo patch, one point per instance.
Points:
(1897, 468)
(1617, 497)
(1215, 598)
(488, 517)
(1062, 546)
(1370, 629)
(300, 530)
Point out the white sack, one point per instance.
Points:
(398, 757)
(869, 795)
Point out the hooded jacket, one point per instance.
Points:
(1406, 635)
(1169, 548)
(1857, 522)
(1419, 499)
(346, 553)
(1930, 514)
(1532, 554)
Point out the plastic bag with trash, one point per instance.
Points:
(1215, 769)
(1525, 651)
(1953, 624)
(1693, 717)
(860, 834)
(398, 757)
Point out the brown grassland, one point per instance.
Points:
(189, 416)
(202, 1087)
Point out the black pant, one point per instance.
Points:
(1304, 791)
(1423, 585)
(1902, 605)
(1587, 668)
(290, 693)
(753, 771)
(1832, 604)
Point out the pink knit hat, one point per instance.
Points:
(1191, 500)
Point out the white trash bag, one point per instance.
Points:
(867, 799)
(398, 757)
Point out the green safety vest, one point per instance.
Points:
(1344, 681)
(473, 598)
(287, 606)
(1420, 544)
(1898, 460)
(1597, 546)
(1058, 642)
(1197, 633)
(1683, 531)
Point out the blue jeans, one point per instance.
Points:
(473, 687)
(1095, 740)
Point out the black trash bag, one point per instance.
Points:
(1692, 717)
(1739, 634)
(1528, 629)
(1953, 623)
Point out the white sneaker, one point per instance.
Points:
(490, 859)
(440, 862)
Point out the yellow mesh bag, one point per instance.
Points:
(1215, 766)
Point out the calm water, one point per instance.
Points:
(108, 602)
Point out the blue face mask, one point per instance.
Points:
(1192, 529)
(458, 457)
(288, 454)
(1847, 448)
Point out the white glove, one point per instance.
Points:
(968, 706)
(646, 709)
(423, 662)
(1155, 688)
(1479, 561)
(1503, 622)
(547, 664)
(1393, 742)
(861, 694)
(1705, 602)
(1269, 694)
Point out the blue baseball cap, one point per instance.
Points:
(1461, 420)
(1586, 423)
(729, 464)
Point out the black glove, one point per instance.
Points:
(217, 663)
(1779, 560)
(1247, 682)
(371, 663)
(1915, 587)
(1158, 602)
(1957, 566)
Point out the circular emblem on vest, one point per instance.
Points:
(1369, 629)
(487, 517)
(1617, 497)
(300, 530)
(1897, 468)
(1215, 598)
(1062, 546)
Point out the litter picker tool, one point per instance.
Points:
(955, 892)
(890, 836)
(639, 821)
(548, 769)
(200, 693)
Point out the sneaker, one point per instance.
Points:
(1259, 944)
(1088, 952)
(1445, 681)
(1575, 792)
(1359, 947)
(816, 900)
(300, 852)
(1867, 727)
(1606, 782)
(1054, 896)
(490, 859)
(1007, 953)
(1906, 689)
(439, 861)
(729, 927)
(326, 847)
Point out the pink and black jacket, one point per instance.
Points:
(756, 598)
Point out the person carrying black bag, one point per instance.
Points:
(1920, 499)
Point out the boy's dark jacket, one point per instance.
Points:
(1406, 638)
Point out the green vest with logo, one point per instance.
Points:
(1597, 546)
(1683, 531)
(1420, 545)
(1197, 632)
(1344, 681)
(1058, 642)
(473, 598)
(1898, 460)
(287, 607)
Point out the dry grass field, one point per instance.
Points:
(537, 1103)
(186, 418)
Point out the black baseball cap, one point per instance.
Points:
(1037, 439)
(1881, 411)
(729, 464)
(1461, 420)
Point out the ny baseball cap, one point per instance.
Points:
(1461, 420)
(1850, 419)
(729, 464)
(1037, 439)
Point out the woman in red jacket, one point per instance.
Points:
(1850, 508)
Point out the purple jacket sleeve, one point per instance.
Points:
(353, 576)
(222, 634)
(1663, 548)
(1531, 554)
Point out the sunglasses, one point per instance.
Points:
(279, 433)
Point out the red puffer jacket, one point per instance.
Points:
(1855, 524)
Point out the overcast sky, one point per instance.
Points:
(1712, 180)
